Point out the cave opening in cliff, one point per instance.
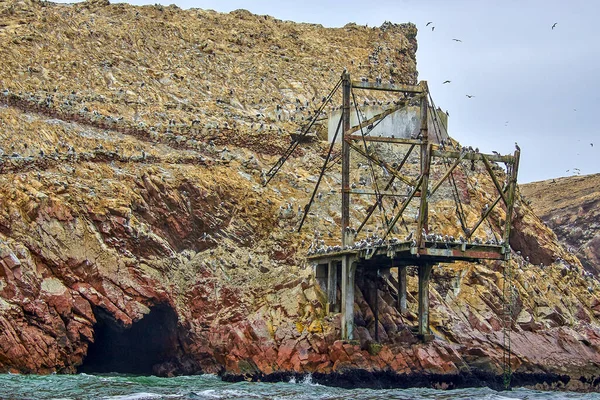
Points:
(134, 350)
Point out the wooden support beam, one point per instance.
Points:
(483, 217)
(402, 304)
(348, 272)
(424, 275)
(383, 139)
(404, 205)
(332, 286)
(443, 178)
(376, 306)
(373, 193)
(390, 182)
(473, 156)
(490, 170)
(381, 163)
(388, 87)
(511, 200)
(422, 223)
(451, 255)
(345, 222)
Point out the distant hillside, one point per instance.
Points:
(571, 207)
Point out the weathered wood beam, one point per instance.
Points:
(448, 172)
(483, 217)
(383, 139)
(374, 193)
(388, 87)
(474, 156)
(389, 184)
(381, 163)
(490, 170)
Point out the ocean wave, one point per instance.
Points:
(142, 396)
(227, 394)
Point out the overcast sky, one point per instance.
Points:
(531, 84)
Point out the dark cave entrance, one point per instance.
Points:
(148, 342)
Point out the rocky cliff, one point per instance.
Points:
(136, 235)
(570, 206)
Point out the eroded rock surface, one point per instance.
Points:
(134, 142)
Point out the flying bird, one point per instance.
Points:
(429, 23)
(469, 95)
(432, 28)
(457, 40)
(554, 25)
(445, 82)
(592, 144)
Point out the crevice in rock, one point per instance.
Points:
(139, 349)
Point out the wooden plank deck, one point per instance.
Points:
(403, 253)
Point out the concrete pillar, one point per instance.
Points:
(424, 274)
(402, 307)
(332, 286)
(348, 272)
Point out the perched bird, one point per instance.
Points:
(457, 40)
(445, 82)
(518, 148)
(469, 95)
(553, 25)
(429, 23)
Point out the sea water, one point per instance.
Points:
(126, 387)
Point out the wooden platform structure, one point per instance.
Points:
(420, 251)
(399, 255)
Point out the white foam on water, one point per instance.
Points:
(498, 397)
(142, 396)
(230, 393)
(307, 380)
(208, 393)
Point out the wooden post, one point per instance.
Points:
(424, 274)
(511, 200)
(402, 307)
(425, 166)
(348, 270)
(376, 307)
(346, 86)
(332, 286)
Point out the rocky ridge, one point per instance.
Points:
(569, 206)
(134, 142)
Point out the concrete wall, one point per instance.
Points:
(401, 124)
